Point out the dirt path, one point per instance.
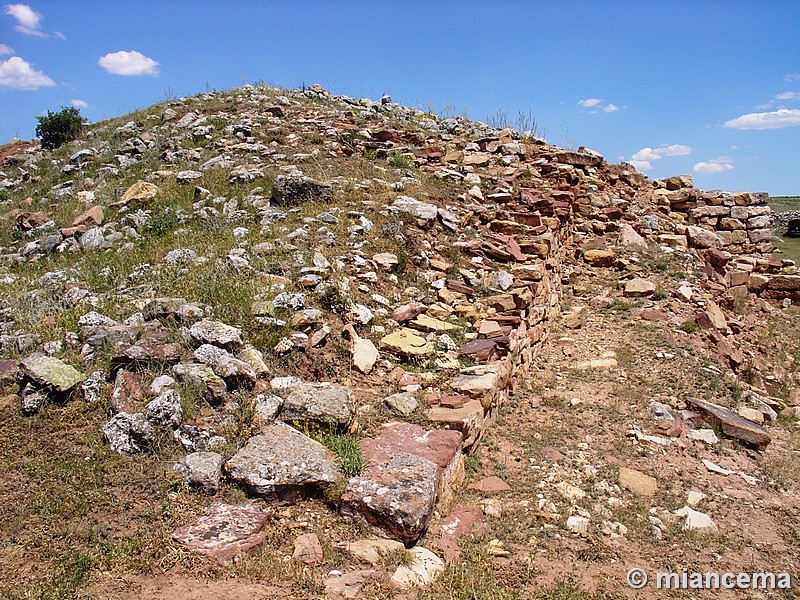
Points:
(563, 443)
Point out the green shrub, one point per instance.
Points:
(57, 129)
(347, 451)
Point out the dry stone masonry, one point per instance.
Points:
(405, 307)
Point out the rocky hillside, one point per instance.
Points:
(296, 338)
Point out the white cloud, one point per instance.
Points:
(18, 74)
(590, 102)
(674, 150)
(59, 35)
(5, 50)
(643, 159)
(28, 20)
(767, 120)
(128, 63)
(641, 165)
(79, 103)
(610, 108)
(788, 96)
(717, 165)
(646, 154)
(791, 77)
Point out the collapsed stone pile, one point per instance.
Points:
(454, 260)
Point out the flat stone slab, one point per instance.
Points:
(226, 531)
(373, 551)
(216, 333)
(440, 446)
(49, 372)
(408, 468)
(326, 405)
(637, 482)
(282, 463)
(394, 497)
(468, 419)
(407, 343)
(731, 423)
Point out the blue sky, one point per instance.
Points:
(701, 87)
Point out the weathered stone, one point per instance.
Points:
(128, 393)
(424, 213)
(630, 239)
(201, 470)
(386, 260)
(402, 403)
(599, 258)
(307, 549)
(281, 463)
(699, 237)
(128, 433)
(492, 484)
(467, 418)
(91, 217)
(51, 373)
(165, 410)
(427, 323)
(321, 404)
(226, 531)
(292, 190)
(141, 191)
(347, 585)
(147, 353)
(637, 482)
(202, 378)
(697, 521)
(639, 287)
(459, 523)
(713, 317)
(160, 308)
(407, 343)
(216, 333)
(730, 423)
(235, 372)
(188, 176)
(375, 551)
(395, 496)
(266, 408)
(406, 312)
(422, 569)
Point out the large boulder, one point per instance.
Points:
(291, 190)
(282, 463)
(408, 470)
(320, 405)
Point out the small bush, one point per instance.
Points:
(689, 326)
(57, 129)
(347, 451)
(398, 160)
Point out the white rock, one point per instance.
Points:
(697, 521)
(423, 567)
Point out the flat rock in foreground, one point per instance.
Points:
(49, 372)
(281, 463)
(731, 423)
(394, 497)
(226, 531)
(408, 470)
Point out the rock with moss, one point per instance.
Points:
(50, 373)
